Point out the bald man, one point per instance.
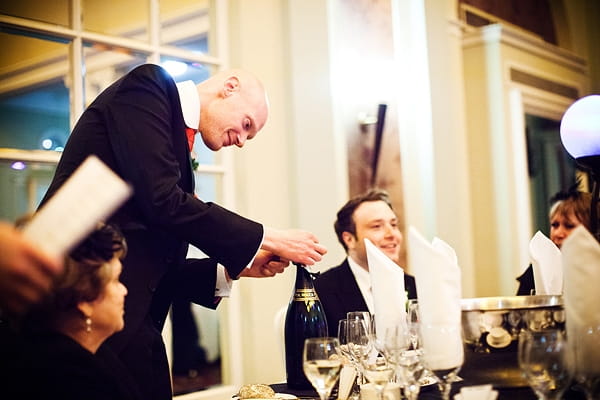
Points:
(143, 126)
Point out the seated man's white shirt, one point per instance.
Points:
(363, 279)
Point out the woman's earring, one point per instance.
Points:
(88, 324)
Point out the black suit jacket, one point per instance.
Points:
(136, 127)
(526, 282)
(339, 294)
(54, 366)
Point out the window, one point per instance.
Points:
(57, 57)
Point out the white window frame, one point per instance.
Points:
(229, 311)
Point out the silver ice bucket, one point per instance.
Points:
(491, 327)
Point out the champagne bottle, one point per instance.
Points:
(305, 318)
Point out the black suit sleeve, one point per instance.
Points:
(197, 280)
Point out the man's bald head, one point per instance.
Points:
(234, 107)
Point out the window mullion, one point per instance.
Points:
(76, 65)
(154, 27)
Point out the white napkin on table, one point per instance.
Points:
(438, 280)
(389, 294)
(581, 260)
(547, 265)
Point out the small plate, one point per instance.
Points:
(282, 396)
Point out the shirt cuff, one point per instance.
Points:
(257, 250)
(223, 286)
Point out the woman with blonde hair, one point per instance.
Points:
(568, 210)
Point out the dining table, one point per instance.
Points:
(431, 392)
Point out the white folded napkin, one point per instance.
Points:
(581, 261)
(438, 280)
(389, 295)
(547, 265)
(347, 379)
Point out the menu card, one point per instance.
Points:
(91, 194)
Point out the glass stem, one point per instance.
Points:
(360, 377)
(445, 389)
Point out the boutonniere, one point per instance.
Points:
(195, 163)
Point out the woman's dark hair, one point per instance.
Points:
(86, 269)
(85, 275)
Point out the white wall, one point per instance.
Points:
(459, 144)
(292, 175)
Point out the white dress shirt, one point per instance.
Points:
(190, 107)
(363, 279)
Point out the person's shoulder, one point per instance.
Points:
(149, 67)
(153, 71)
(333, 272)
(527, 274)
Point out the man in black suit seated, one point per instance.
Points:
(347, 287)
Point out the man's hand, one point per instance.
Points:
(265, 265)
(295, 245)
(26, 273)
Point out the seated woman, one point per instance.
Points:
(61, 356)
(567, 212)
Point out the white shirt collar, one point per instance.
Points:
(190, 103)
(363, 279)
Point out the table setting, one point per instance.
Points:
(443, 346)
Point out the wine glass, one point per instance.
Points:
(345, 351)
(378, 371)
(364, 316)
(359, 343)
(583, 345)
(443, 353)
(406, 362)
(544, 361)
(412, 317)
(412, 371)
(394, 343)
(322, 363)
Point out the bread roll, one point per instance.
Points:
(256, 391)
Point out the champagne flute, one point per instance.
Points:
(443, 353)
(543, 360)
(322, 364)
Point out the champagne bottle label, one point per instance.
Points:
(305, 295)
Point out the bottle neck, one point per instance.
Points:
(304, 278)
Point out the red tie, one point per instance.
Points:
(191, 134)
